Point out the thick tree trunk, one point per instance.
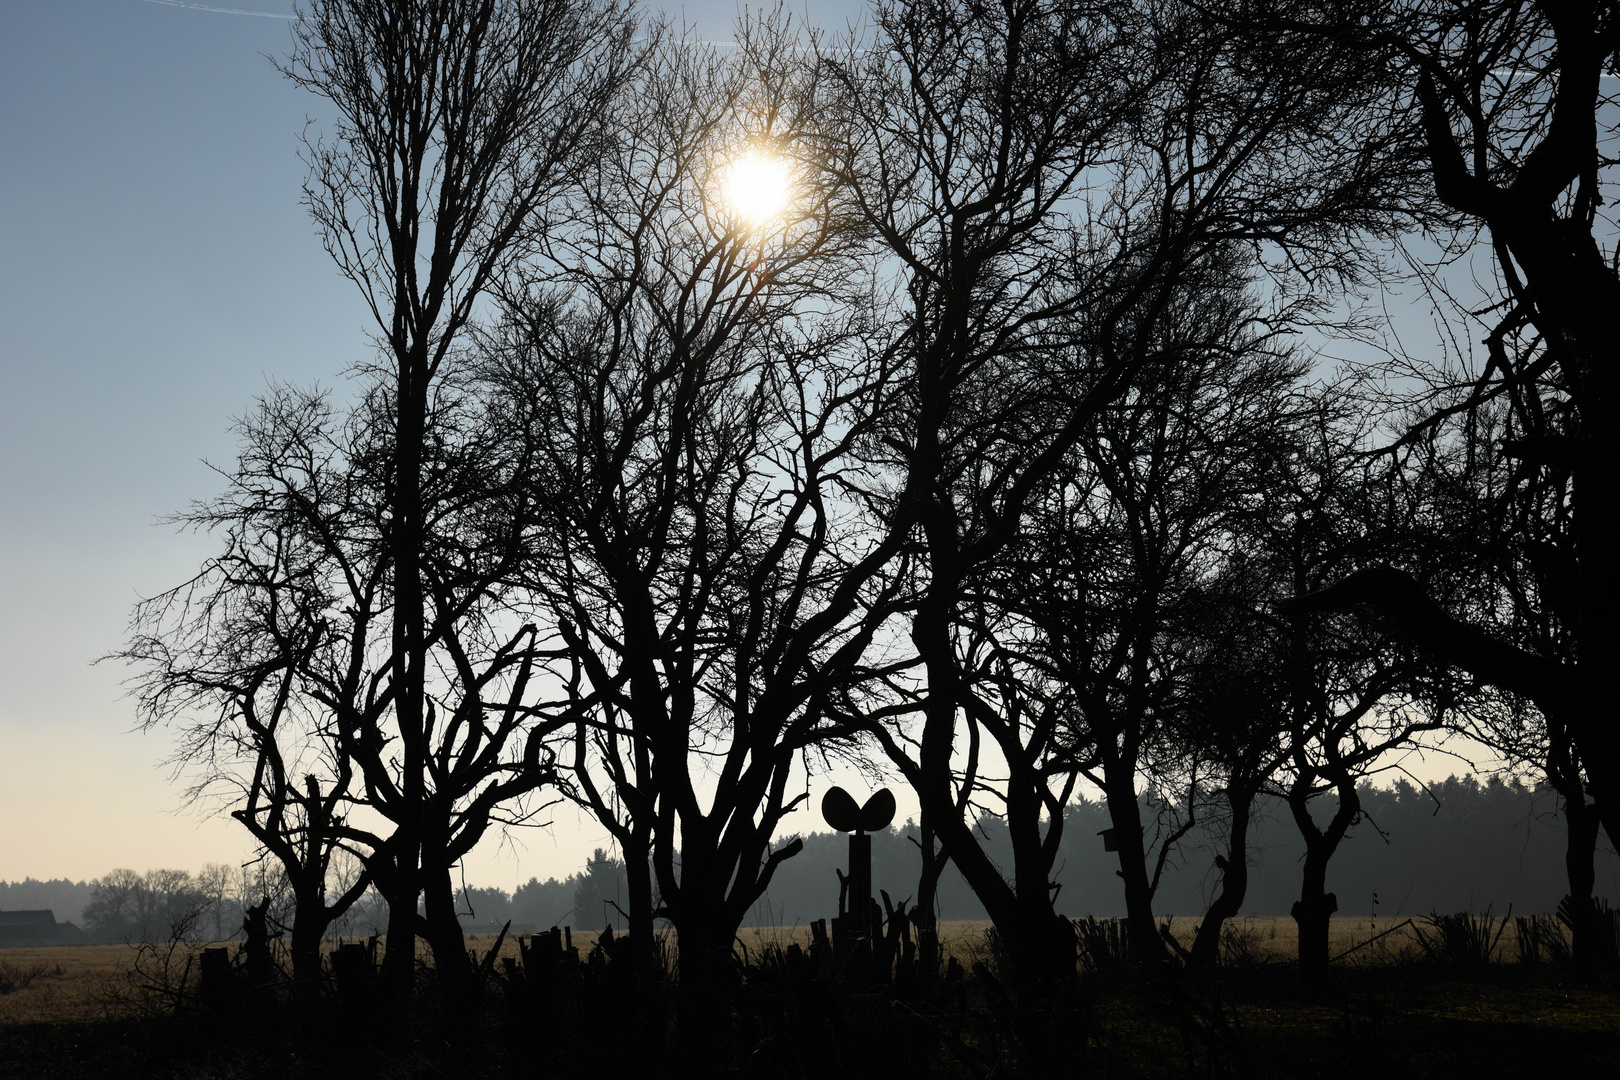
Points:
(1042, 948)
(1575, 293)
(1582, 822)
(409, 661)
(451, 965)
(261, 965)
(1024, 922)
(639, 885)
(1234, 869)
(1313, 913)
(311, 916)
(399, 952)
(1316, 905)
(925, 913)
(1591, 941)
(704, 1030)
(705, 951)
(1046, 946)
(1125, 815)
(309, 928)
(933, 776)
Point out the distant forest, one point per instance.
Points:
(1462, 845)
(1481, 845)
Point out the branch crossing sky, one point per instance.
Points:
(156, 272)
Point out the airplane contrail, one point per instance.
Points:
(224, 11)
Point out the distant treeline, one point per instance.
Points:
(1461, 845)
(154, 905)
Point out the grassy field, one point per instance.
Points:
(1269, 940)
(83, 982)
(60, 983)
(1384, 1007)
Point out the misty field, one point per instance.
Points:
(93, 982)
(1388, 1001)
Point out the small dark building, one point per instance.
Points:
(18, 928)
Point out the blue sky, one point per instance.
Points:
(156, 270)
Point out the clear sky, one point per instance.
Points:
(156, 271)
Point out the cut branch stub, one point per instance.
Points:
(839, 809)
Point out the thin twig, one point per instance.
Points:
(1369, 941)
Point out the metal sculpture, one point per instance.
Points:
(855, 916)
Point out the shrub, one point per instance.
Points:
(1462, 939)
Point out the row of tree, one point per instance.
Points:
(128, 906)
(158, 905)
(1458, 845)
(992, 461)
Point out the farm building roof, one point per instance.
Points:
(27, 927)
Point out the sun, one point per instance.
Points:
(756, 187)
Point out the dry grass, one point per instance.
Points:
(72, 985)
(1275, 939)
(1268, 939)
(75, 980)
(1271, 939)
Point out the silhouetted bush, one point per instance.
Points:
(1461, 938)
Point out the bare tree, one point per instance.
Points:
(698, 392)
(230, 659)
(274, 663)
(1504, 526)
(1508, 104)
(1352, 697)
(966, 133)
(1046, 176)
(214, 882)
(1226, 714)
(1132, 531)
(457, 122)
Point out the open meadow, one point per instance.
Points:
(90, 982)
(1390, 998)
(95, 982)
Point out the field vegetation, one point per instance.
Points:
(1397, 996)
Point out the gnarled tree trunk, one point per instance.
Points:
(1234, 867)
(1315, 907)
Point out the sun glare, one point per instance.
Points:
(756, 187)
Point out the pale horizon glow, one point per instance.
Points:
(757, 187)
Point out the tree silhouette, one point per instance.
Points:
(1048, 178)
(238, 659)
(697, 414)
(1507, 104)
(457, 125)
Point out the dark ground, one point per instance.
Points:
(1415, 1020)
